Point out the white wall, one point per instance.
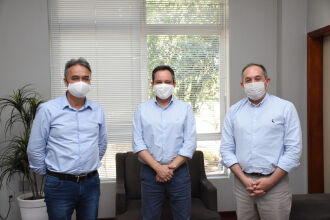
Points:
(292, 75)
(326, 113)
(252, 38)
(319, 17)
(271, 32)
(23, 59)
(318, 14)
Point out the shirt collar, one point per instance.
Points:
(156, 102)
(65, 103)
(260, 103)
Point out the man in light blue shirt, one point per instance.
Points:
(67, 142)
(261, 143)
(164, 138)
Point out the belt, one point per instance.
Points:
(71, 177)
(258, 174)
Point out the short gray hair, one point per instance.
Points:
(255, 64)
(80, 61)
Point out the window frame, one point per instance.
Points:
(196, 29)
(145, 30)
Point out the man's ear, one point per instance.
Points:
(66, 83)
(242, 85)
(267, 82)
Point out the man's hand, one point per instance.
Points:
(251, 186)
(257, 193)
(264, 184)
(248, 183)
(260, 186)
(160, 180)
(164, 173)
(172, 166)
(175, 163)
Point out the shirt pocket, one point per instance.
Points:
(277, 125)
(278, 121)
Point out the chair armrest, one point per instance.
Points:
(120, 198)
(120, 183)
(209, 194)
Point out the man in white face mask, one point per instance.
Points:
(261, 143)
(67, 142)
(164, 138)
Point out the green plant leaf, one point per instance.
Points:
(22, 106)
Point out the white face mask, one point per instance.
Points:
(255, 90)
(163, 91)
(79, 89)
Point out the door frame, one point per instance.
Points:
(315, 109)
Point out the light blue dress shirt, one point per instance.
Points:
(67, 140)
(262, 137)
(164, 132)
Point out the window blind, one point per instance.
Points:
(190, 36)
(124, 40)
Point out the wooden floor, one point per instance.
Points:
(224, 216)
(228, 215)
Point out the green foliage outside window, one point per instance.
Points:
(195, 60)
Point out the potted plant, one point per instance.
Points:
(19, 109)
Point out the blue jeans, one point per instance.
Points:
(177, 190)
(63, 196)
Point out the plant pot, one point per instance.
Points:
(32, 209)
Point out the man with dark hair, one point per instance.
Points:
(163, 67)
(261, 143)
(164, 138)
(68, 140)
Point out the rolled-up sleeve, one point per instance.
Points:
(138, 142)
(292, 140)
(103, 140)
(189, 135)
(38, 140)
(228, 148)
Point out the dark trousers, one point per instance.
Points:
(177, 190)
(62, 197)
